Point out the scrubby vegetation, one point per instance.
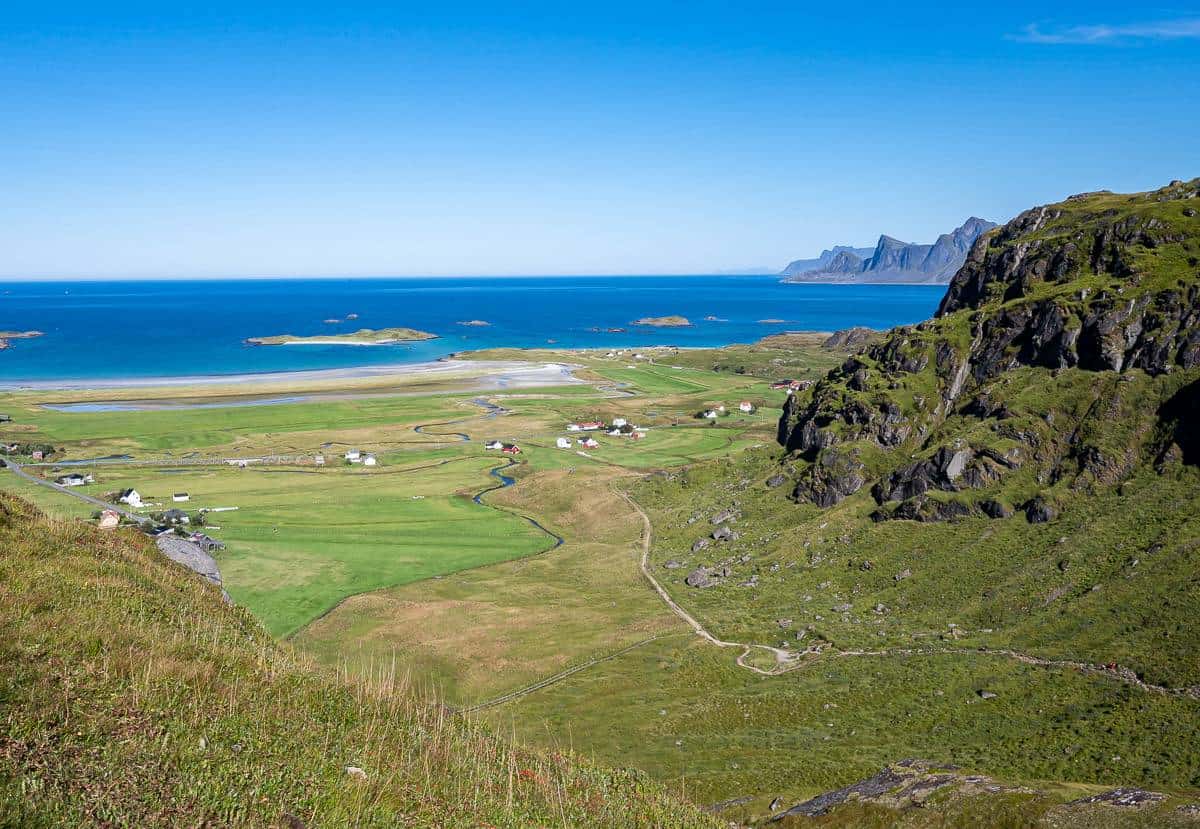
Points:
(130, 695)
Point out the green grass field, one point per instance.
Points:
(395, 565)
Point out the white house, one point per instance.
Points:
(494, 444)
(369, 460)
(614, 433)
(746, 406)
(721, 408)
(619, 421)
(353, 455)
(563, 443)
(131, 497)
(181, 496)
(75, 479)
(711, 414)
(571, 427)
(319, 460)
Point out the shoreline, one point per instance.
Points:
(443, 367)
(446, 367)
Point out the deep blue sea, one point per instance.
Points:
(110, 330)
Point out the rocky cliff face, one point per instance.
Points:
(1102, 283)
(822, 262)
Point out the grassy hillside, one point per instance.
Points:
(131, 696)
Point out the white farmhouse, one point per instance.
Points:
(131, 497)
(179, 497)
(353, 455)
(494, 444)
(369, 460)
(563, 443)
(619, 421)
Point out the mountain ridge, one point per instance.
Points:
(892, 259)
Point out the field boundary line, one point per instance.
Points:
(555, 678)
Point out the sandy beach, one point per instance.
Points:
(489, 374)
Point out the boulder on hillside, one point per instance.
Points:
(1039, 510)
(835, 476)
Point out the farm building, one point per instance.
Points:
(319, 460)
(563, 443)
(369, 460)
(353, 455)
(176, 516)
(711, 414)
(207, 543)
(131, 497)
(746, 406)
(494, 444)
(109, 519)
(74, 479)
(511, 449)
(180, 497)
(618, 422)
(589, 443)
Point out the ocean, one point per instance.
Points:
(148, 329)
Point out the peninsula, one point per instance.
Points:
(664, 322)
(363, 336)
(5, 336)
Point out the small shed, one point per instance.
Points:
(180, 497)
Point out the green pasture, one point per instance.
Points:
(303, 539)
(267, 427)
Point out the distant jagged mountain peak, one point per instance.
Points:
(892, 259)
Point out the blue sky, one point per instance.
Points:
(441, 139)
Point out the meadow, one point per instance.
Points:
(566, 647)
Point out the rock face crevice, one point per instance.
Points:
(1099, 283)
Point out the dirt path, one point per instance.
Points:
(1117, 674)
(784, 660)
(791, 660)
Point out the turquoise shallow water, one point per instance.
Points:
(109, 330)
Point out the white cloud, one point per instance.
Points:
(1185, 29)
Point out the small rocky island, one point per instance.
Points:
(5, 336)
(363, 336)
(664, 322)
(474, 323)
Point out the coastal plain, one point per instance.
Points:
(443, 561)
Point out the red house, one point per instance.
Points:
(511, 449)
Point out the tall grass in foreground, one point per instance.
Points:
(131, 696)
